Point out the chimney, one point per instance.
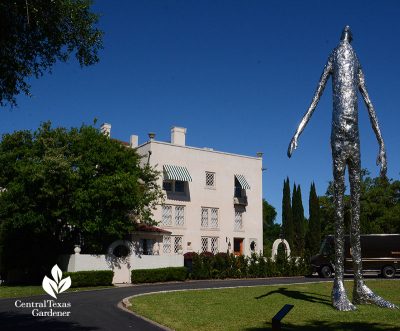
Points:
(134, 141)
(151, 135)
(178, 136)
(106, 129)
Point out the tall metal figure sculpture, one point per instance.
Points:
(347, 79)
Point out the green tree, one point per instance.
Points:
(313, 237)
(379, 207)
(287, 216)
(298, 221)
(66, 187)
(35, 34)
(271, 230)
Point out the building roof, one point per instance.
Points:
(204, 149)
(121, 142)
(151, 228)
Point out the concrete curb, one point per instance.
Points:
(125, 304)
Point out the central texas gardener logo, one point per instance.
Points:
(58, 285)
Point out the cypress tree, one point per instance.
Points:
(287, 216)
(298, 221)
(313, 239)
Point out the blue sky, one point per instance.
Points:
(239, 75)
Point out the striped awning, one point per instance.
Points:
(173, 172)
(243, 182)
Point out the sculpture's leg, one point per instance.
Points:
(339, 296)
(361, 293)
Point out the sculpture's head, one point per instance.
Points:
(346, 34)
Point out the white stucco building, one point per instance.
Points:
(213, 200)
(213, 203)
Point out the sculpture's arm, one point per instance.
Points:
(320, 89)
(381, 159)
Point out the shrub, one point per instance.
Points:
(189, 255)
(201, 268)
(223, 265)
(90, 278)
(158, 275)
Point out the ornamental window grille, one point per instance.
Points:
(167, 244)
(204, 217)
(214, 245)
(209, 218)
(209, 244)
(166, 215)
(210, 179)
(238, 225)
(204, 244)
(179, 215)
(178, 242)
(214, 218)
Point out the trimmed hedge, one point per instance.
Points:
(158, 275)
(223, 265)
(90, 278)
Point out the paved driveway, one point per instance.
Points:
(98, 310)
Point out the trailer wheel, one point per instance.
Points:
(388, 271)
(325, 271)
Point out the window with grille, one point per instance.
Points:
(179, 215)
(209, 244)
(210, 179)
(209, 218)
(167, 244)
(214, 245)
(170, 213)
(204, 217)
(214, 218)
(204, 244)
(166, 215)
(178, 242)
(238, 225)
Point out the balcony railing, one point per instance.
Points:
(240, 200)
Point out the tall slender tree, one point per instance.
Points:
(313, 237)
(298, 221)
(287, 216)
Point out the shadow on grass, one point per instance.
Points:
(331, 326)
(11, 321)
(305, 296)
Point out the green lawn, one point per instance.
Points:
(27, 291)
(252, 308)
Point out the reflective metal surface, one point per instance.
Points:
(347, 79)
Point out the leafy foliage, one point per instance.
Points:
(66, 187)
(287, 215)
(313, 236)
(35, 34)
(379, 204)
(158, 275)
(90, 278)
(298, 222)
(271, 230)
(224, 265)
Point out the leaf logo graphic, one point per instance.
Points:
(58, 285)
